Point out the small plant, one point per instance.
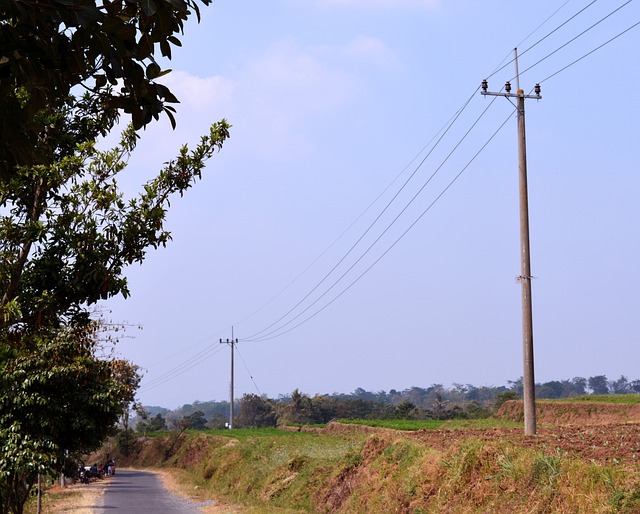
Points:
(626, 501)
(546, 470)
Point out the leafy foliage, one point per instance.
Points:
(67, 233)
(70, 232)
(458, 403)
(47, 47)
(57, 400)
(256, 412)
(195, 421)
(155, 424)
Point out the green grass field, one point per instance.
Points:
(432, 424)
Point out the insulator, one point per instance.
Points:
(485, 85)
(507, 87)
(537, 89)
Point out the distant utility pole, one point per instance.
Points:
(230, 343)
(525, 255)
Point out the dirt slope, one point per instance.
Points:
(573, 413)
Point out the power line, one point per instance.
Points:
(397, 239)
(371, 246)
(183, 350)
(591, 52)
(371, 225)
(362, 255)
(353, 223)
(248, 372)
(189, 364)
(546, 36)
(576, 37)
(255, 335)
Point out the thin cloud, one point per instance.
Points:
(199, 92)
(301, 77)
(371, 50)
(297, 83)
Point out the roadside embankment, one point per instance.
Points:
(573, 413)
(347, 469)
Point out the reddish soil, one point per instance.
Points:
(606, 444)
(573, 413)
(603, 433)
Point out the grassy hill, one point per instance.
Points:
(584, 459)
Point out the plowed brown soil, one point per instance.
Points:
(604, 433)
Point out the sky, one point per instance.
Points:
(360, 228)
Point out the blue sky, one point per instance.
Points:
(334, 105)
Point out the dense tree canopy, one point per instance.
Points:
(436, 401)
(68, 70)
(110, 48)
(57, 400)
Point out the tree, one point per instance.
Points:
(552, 389)
(299, 410)
(66, 232)
(406, 410)
(579, 386)
(156, 423)
(256, 412)
(57, 401)
(621, 386)
(517, 386)
(65, 242)
(195, 421)
(599, 384)
(48, 47)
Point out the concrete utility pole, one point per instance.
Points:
(525, 255)
(230, 343)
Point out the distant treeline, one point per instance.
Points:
(433, 402)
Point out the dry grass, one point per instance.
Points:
(174, 482)
(73, 499)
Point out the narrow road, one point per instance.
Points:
(140, 492)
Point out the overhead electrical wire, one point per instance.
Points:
(248, 372)
(546, 35)
(194, 361)
(415, 196)
(187, 365)
(397, 239)
(591, 52)
(576, 37)
(190, 347)
(353, 223)
(389, 203)
(270, 335)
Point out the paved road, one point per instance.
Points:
(140, 492)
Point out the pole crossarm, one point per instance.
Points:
(511, 95)
(507, 91)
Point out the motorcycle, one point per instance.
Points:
(83, 476)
